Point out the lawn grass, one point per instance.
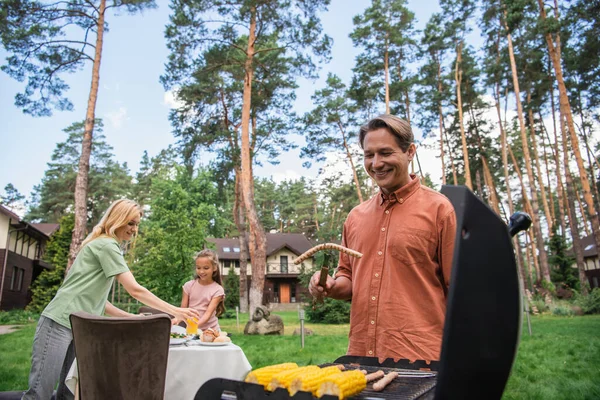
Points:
(561, 360)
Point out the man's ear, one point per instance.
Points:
(412, 150)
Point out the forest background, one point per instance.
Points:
(233, 72)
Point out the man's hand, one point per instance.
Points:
(318, 291)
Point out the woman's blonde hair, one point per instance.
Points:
(118, 214)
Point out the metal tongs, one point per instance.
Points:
(328, 256)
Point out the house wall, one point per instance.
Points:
(3, 230)
(15, 297)
(273, 263)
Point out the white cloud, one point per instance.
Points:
(116, 118)
(286, 175)
(170, 100)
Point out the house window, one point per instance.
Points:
(595, 281)
(236, 249)
(16, 283)
(283, 262)
(236, 263)
(227, 249)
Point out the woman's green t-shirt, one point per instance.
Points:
(88, 282)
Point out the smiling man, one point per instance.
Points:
(406, 234)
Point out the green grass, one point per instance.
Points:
(561, 360)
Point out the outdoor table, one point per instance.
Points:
(189, 366)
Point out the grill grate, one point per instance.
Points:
(411, 384)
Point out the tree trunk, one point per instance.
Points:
(559, 184)
(386, 69)
(572, 215)
(442, 125)
(565, 107)
(257, 238)
(81, 182)
(349, 155)
(538, 167)
(547, 168)
(240, 222)
(458, 78)
(543, 258)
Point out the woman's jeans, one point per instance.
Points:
(51, 359)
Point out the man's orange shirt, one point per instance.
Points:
(399, 286)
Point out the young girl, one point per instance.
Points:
(205, 293)
(86, 288)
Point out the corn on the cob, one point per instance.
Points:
(343, 385)
(311, 381)
(262, 376)
(284, 378)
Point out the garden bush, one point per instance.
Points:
(330, 312)
(590, 304)
(17, 317)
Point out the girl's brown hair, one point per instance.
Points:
(216, 275)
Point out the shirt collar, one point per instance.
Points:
(403, 193)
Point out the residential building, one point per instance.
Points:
(22, 247)
(591, 260)
(282, 284)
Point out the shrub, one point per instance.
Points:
(330, 312)
(590, 304)
(16, 317)
(231, 285)
(229, 314)
(562, 310)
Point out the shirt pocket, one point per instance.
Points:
(412, 246)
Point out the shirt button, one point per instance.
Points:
(379, 253)
(376, 275)
(400, 200)
(370, 351)
(373, 298)
(372, 322)
(387, 211)
(382, 229)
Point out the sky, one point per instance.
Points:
(135, 106)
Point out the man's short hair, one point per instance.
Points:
(396, 126)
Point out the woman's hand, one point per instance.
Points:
(184, 314)
(176, 321)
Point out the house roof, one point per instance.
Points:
(588, 245)
(48, 229)
(35, 230)
(296, 242)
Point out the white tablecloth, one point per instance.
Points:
(188, 367)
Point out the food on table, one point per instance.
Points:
(222, 339)
(343, 384)
(383, 382)
(284, 378)
(262, 376)
(209, 335)
(175, 335)
(311, 381)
